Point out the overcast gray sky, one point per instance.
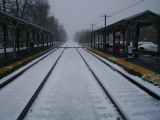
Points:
(78, 14)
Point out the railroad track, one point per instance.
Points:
(129, 101)
(108, 114)
(147, 90)
(12, 78)
(124, 90)
(23, 113)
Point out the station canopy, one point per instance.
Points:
(144, 18)
(10, 20)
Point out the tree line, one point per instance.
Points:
(82, 36)
(36, 12)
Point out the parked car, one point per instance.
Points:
(148, 47)
(143, 42)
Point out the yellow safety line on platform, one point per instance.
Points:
(146, 74)
(13, 65)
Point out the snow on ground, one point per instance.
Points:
(27, 65)
(24, 67)
(15, 95)
(71, 93)
(150, 86)
(135, 102)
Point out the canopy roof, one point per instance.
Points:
(6, 18)
(146, 17)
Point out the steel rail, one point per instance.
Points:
(69, 47)
(150, 92)
(21, 72)
(120, 110)
(25, 110)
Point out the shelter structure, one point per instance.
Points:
(20, 34)
(127, 31)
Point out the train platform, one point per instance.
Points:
(139, 67)
(133, 66)
(11, 66)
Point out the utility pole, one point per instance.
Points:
(105, 16)
(92, 26)
(92, 35)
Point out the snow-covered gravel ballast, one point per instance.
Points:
(72, 92)
(137, 104)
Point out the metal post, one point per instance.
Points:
(18, 35)
(105, 16)
(101, 38)
(91, 39)
(5, 37)
(94, 40)
(14, 42)
(98, 41)
(114, 42)
(105, 20)
(47, 40)
(33, 42)
(28, 39)
(136, 36)
(158, 40)
(123, 32)
(104, 40)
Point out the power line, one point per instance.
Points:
(127, 8)
(99, 21)
(121, 10)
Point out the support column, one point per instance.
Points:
(5, 35)
(108, 40)
(38, 40)
(53, 40)
(136, 36)
(98, 41)
(158, 40)
(17, 41)
(123, 33)
(28, 39)
(42, 37)
(101, 39)
(114, 42)
(33, 42)
(94, 40)
(22, 42)
(104, 40)
(91, 39)
(14, 41)
(129, 36)
(50, 41)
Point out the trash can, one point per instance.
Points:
(117, 48)
(130, 51)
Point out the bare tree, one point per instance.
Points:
(6, 5)
(35, 11)
(82, 36)
(39, 12)
(20, 7)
